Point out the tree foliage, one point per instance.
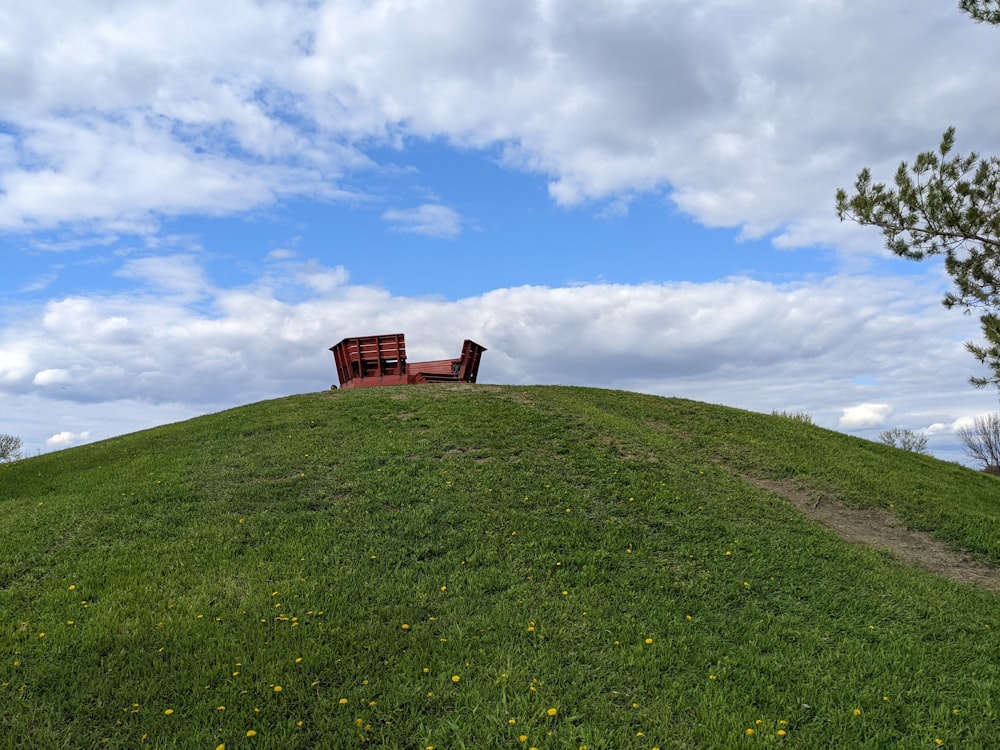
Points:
(945, 205)
(905, 439)
(10, 448)
(984, 11)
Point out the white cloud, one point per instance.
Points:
(52, 377)
(168, 274)
(430, 220)
(65, 439)
(865, 416)
(749, 114)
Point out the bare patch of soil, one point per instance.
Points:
(878, 528)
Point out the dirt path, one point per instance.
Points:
(878, 528)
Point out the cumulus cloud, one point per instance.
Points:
(52, 377)
(746, 114)
(864, 416)
(66, 439)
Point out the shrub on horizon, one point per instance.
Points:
(982, 441)
(798, 416)
(905, 439)
(10, 448)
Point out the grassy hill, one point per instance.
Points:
(487, 567)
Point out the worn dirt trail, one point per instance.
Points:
(880, 529)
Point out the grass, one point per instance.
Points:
(485, 567)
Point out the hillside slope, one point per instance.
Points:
(487, 567)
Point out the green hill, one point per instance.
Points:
(489, 567)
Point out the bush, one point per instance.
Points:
(982, 441)
(905, 439)
(798, 416)
(10, 448)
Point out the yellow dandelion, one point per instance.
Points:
(857, 712)
(221, 708)
(343, 701)
(455, 678)
(277, 688)
(522, 737)
(750, 731)
(72, 587)
(405, 626)
(251, 733)
(782, 732)
(938, 741)
(169, 711)
(221, 747)
(298, 660)
(552, 711)
(648, 641)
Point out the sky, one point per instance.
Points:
(198, 199)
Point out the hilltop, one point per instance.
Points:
(487, 566)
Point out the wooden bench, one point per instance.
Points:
(365, 361)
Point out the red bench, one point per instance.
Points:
(381, 360)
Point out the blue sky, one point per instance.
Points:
(195, 202)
